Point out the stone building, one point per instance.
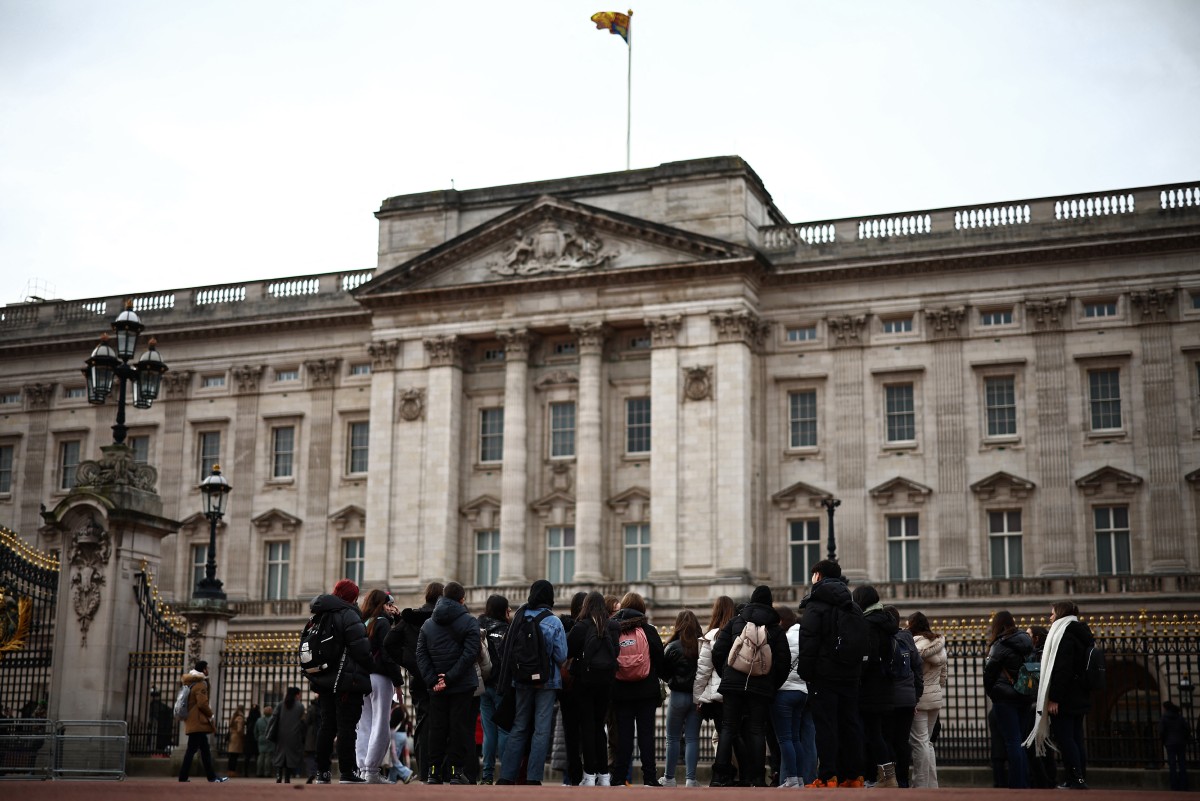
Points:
(652, 379)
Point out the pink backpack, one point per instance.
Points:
(633, 655)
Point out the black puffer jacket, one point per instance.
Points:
(678, 671)
(1009, 651)
(401, 645)
(876, 686)
(1070, 663)
(354, 675)
(734, 681)
(818, 637)
(449, 644)
(384, 664)
(494, 632)
(624, 622)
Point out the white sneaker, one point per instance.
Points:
(375, 777)
(589, 780)
(691, 783)
(666, 782)
(604, 780)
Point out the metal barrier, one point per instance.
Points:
(90, 749)
(26, 748)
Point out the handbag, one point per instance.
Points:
(1028, 677)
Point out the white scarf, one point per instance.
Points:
(1039, 737)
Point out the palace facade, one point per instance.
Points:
(652, 379)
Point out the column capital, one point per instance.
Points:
(1047, 313)
(247, 377)
(445, 351)
(176, 383)
(846, 330)
(663, 330)
(591, 336)
(321, 372)
(740, 326)
(1154, 304)
(383, 354)
(946, 322)
(517, 342)
(37, 396)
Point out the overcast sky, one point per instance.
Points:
(156, 144)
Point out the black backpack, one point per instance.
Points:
(899, 668)
(530, 659)
(598, 663)
(1094, 677)
(320, 647)
(851, 639)
(494, 635)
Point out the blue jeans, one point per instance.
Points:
(399, 770)
(682, 716)
(533, 724)
(494, 737)
(1008, 721)
(796, 734)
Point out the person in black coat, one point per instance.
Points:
(1176, 734)
(401, 644)
(593, 672)
(447, 649)
(1010, 648)
(494, 625)
(875, 686)
(635, 702)
(1067, 695)
(748, 698)
(341, 692)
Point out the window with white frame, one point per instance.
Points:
(637, 425)
(904, 548)
(802, 333)
(1195, 298)
(141, 448)
(360, 368)
(359, 436)
(560, 554)
(1000, 400)
(287, 374)
(7, 456)
(493, 355)
(491, 435)
(637, 551)
(212, 381)
(279, 556)
(68, 462)
(804, 548)
(199, 562)
(10, 398)
(487, 557)
(897, 325)
(74, 393)
(995, 317)
(1004, 543)
(1112, 540)
(210, 452)
(562, 429)
(802, 418)
(639, 342)
(567, 347)
(283, 451)
(1100, 308)
(354, 558)
(900, 413)
(1104, 398)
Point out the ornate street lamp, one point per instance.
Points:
(830, 504)
(215, 491)
(108, 363)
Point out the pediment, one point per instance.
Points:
(557, 508)
(198, 520)
(1120, 481)
(549, 237)
(276, 517)
(901, 490)
(484, 511)
(631, 504)
(799, 495)
(1017, 488)
(352, 516)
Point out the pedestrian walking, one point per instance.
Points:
(199, 723)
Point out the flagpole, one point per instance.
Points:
(629, 91)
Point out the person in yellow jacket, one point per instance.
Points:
(199, 723)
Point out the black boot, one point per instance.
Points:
(279, 776)
(287, 776)
(433, 777)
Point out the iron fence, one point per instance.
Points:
(28, 602)
(155, 667)
(256, 669)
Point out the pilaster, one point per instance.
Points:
(37, 408)
(438, 538)
(850, 448)
(1050, 440)
(316, 554)
(380, 487)
(951, 553)
(514, 481)
(589, 479)
(664, 447)
(244, 458)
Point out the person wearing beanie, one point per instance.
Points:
(341, 691)
(199, 723)
(747, 697)
(534, 719)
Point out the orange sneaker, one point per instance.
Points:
(856, 782)
(818, 783)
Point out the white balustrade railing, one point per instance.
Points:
(895, 226)
(80, 310)
(1179, 198)
(221, 294)
(1093, 207)
(989, 217)
(355, 280)
(778, 237)
(294, 288)
(817, 234)
(154, 302)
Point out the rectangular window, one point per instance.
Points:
(141, 449)
(1004, 538)
(562, 429)
(804, 546)
(637, 551)
(211, 381)
(487, 557)
(283, 451)
(1100, 308)
(199, 561)
(639, 343)
(360, 440)
(1195, 300)
(637, 425)
(68, 463)
(491, 435)
(10, 398)
(898, 325)
(74, 393)
(904, 548)
(901, 413)
(568, 348)
(1112, 540)
(362, 368)
(996, 317)
(278, 557)
(804, 333)
(210, 452)
(354, 557)
(1104, 397)
(1000, 398)
(802, 419)
(7, 453)
(560, 554)
(493, 354)
(288, 374)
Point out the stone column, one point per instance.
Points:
(514, 479)
(850, 449)
(438, 539)
(241, 459)
(589, 466)
(1167, 553)
(664, 447)
(1050, 439)
(315, 554)
(173, 398)
(37, 404)
(378, 552)
(946, 384)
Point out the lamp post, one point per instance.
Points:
(107, 363)
(215, 490)
(830, 503)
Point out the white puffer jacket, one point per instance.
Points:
(933, 667)
(704, 691)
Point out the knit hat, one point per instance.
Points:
(347, 590)
(541, 593)
(761, 595)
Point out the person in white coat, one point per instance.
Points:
(932, 648)
(705, 690)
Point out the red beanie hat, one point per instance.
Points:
(347, 590)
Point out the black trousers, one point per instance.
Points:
(896, 726)
(743, 732)
(568, 707)
(197, 742)
(839, 732)
(451, 736)
(339, 717)
(639, 711)
(591, 708)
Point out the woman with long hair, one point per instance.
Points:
(1009, 649)
(593, 661)
(705, 691)
(680, 657)
(875, 688)
(932, 648)
(374, 734)
(635, 696)
(792, 720)
(289, 744)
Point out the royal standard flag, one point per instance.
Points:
(613, 22)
